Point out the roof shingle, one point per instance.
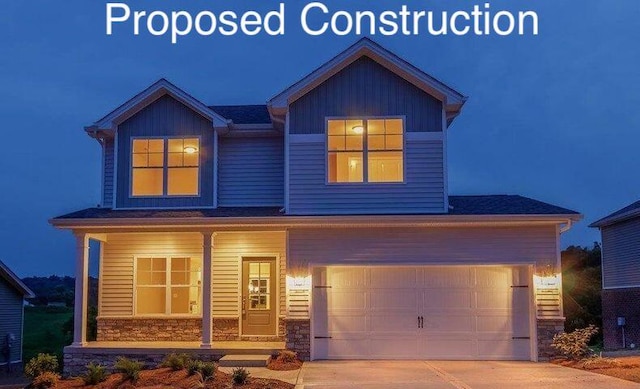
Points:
(244, 114)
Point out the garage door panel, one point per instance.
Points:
(396, 324)
(391, 300)
(447, 299)
(392, 278)
(446, 277)
(347, 277)
(468, 313)
(436, 324)
(347, 299)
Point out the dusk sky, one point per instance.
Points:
(554, 117)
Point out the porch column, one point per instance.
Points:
(207, 246)
(81, 290)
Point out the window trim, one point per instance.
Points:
(167, 285)
(165, 167)
(365, 151)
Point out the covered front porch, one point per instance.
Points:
(162, 291)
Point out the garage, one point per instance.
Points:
(425, 312)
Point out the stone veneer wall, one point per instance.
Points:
(76, 359)
(152, 329)
(225, 329)
(298, 337)
(547, 328)
(620, 303)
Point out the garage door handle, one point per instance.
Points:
(520, 337)
(321, 337)
(418, 321)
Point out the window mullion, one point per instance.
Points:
(167, 286)
(365, 152)
(165, 167)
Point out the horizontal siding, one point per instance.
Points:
(423, 246)
(107, 184)
(116, 278)
(621, 254)
(422, 192)
(251, 171)
(365, 88)
(11, 311)
(165, 117)
(228, 249)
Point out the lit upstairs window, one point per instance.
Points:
(365, 150)
(165, 167)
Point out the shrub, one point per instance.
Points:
(95, 374)
(208, 370)
(176, 361)
(287, 356)
(42, 363)
(194, 366)
(575, 345)
(239, 375)
(129, 368)
(47, 379)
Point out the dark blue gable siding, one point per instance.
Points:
(165, 117)
(365, 88)
(11, 312)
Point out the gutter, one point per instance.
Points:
(320, 221)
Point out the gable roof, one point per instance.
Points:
(148, 96)
(244, 114)
(629, 212)
(452, 99)
(14, 281)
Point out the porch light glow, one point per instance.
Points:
(299, 282)
(357, 129)
(190, 149)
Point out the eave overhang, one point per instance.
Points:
(610, 220)
(283, 222)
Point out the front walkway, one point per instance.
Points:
(450, 375)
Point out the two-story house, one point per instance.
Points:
(320, 222)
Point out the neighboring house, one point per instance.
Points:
(320, 221)
(621, 277)
(12, 295)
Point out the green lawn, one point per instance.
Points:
(43, 331)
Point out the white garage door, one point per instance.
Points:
(430, 312)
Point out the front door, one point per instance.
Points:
(259, 296)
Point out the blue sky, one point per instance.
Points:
(554, 117)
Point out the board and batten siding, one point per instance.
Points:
(165, 117)
(250, 171)
(621, 254)
(117, 267)
(310, 194)
(422, 246)
(107, 175)
(11, 313)
(228, 250)
(365, 88)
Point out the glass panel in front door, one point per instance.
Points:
(259, 280)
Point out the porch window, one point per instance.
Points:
(365, 150)
(165, 167)
(168, 286)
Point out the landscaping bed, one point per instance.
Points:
(168, 378)
(626, 368)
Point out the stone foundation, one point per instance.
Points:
(149, 330)
(298, 337)
(225, 329)
(76, 359)
(547, 329)
(620, 303)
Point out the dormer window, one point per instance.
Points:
(165, 167)
(365, 150)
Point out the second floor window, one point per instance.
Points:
(165, 167)
(365, 150)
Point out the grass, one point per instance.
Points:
(43, 331)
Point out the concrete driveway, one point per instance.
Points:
(450, 375)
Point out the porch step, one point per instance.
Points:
(250, 360)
